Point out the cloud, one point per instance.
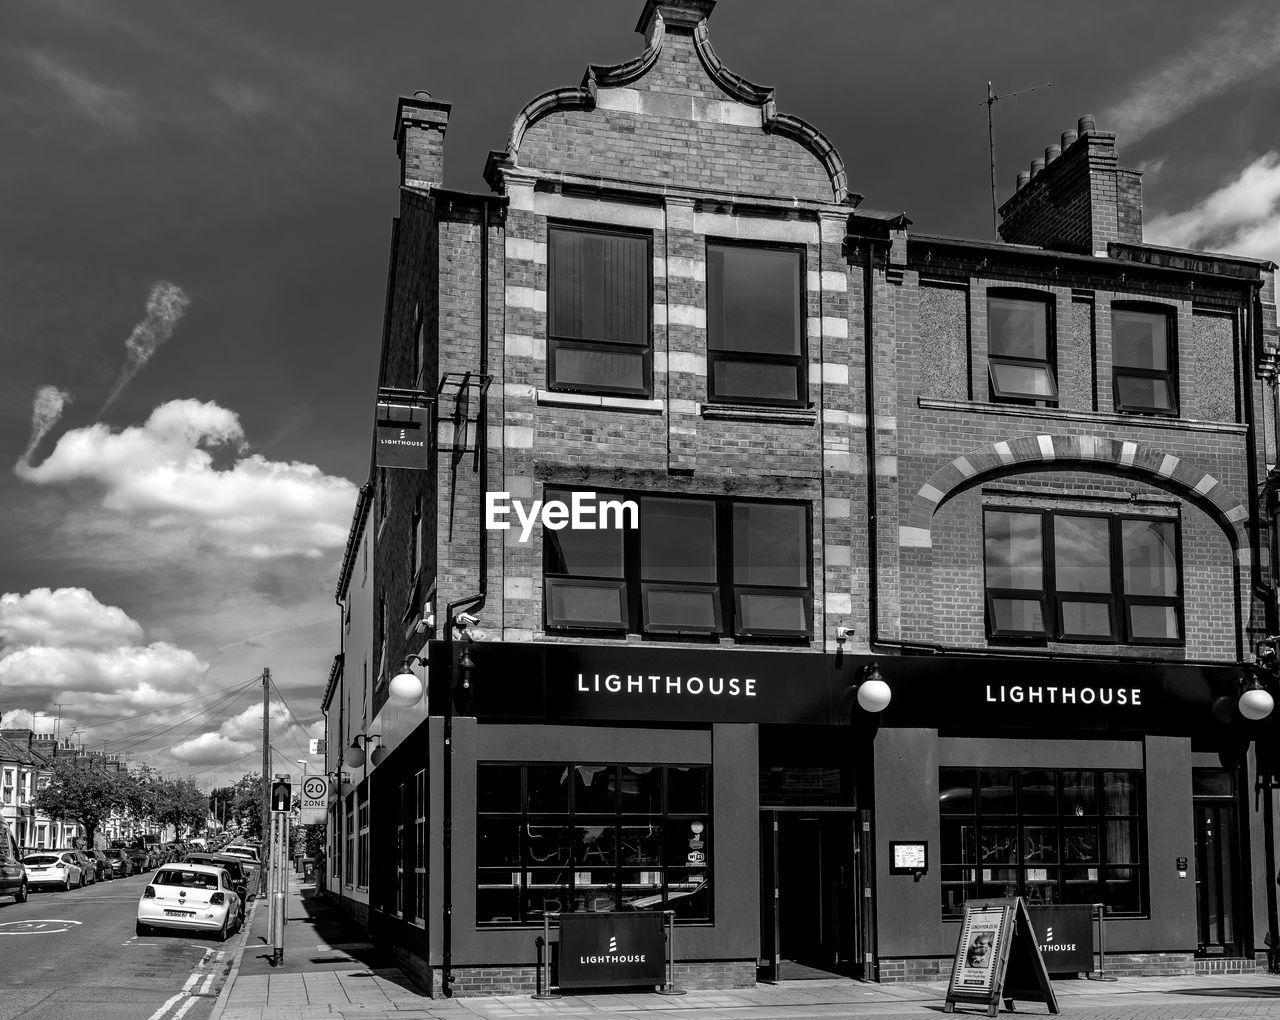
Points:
(45, 412)
(67, 616)
(160, 479)
(1244, 47)
(128, 677)
(111, 108)
(165, 306)
(65, 644)
(240, 97)
(1242, 217)
(237, 735)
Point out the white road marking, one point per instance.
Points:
(185, 1006)
(33, 926)
(165, 1008)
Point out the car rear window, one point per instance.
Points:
(40, 859)
(189, 879)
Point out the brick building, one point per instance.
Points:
(1013, 481)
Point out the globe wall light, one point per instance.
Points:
(874, 694)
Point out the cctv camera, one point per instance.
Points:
(465, 620)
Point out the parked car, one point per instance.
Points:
(103, 866)
(121, 865)
(236, 868)
(57, 868)
(247, 853)
(88, 869)
(13, 873)
(190, 897)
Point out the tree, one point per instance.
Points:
(246, 805)
(82, 791)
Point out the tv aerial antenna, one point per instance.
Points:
(990, 102)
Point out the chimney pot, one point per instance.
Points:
(1024, 177)
(1037, 165)
(1069, 138)
(422, 94)
(1051, 153)
(1086, 124)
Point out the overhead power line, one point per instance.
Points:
(138, 715)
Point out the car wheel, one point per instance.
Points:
(141, 929)
(21, 895)
(225, 932)
(83, 883)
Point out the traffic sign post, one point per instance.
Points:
(314, 803)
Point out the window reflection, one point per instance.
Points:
(593, 837)
(1052, 836)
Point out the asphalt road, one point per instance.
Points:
(74, 955)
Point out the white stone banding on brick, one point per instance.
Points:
(915, 538)
(838, 603)
(1004, 453)
(519, 390)
(962, 465)
(834, 281)
(684, 406)
(835, 326)
(518, 345)
(517, 587)
(835, 508)
(887, 466)
(1046, 447)
(1237, 513)
(686, 268)
(1169, 465)
(687, 315)
(930, 493)
(694, 364)
(660, 314)
(1205, 484)
(527, 297)
(517, 437)
(1128, 451)
(1244, 557)
(526, 250)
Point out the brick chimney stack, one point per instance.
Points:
(420, 126)
(1076, 197)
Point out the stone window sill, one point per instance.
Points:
(752, 412)
(1062, 414)
(547, 398)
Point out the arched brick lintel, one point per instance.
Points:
(1124, 457)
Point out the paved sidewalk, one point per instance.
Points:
(330, 972)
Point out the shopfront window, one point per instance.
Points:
(1050, 835)
(598, 837)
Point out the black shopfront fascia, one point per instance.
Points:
(623, 683)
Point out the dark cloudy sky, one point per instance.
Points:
(214, 183)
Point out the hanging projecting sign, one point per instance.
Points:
(403, 433)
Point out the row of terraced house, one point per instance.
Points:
(946, 566)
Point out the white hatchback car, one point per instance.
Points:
(57, 868)
(192, 897)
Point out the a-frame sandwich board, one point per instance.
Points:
(998, 957)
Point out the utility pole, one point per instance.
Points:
(990, 102)
(266, 756)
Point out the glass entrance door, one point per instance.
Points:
(1217, 863)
